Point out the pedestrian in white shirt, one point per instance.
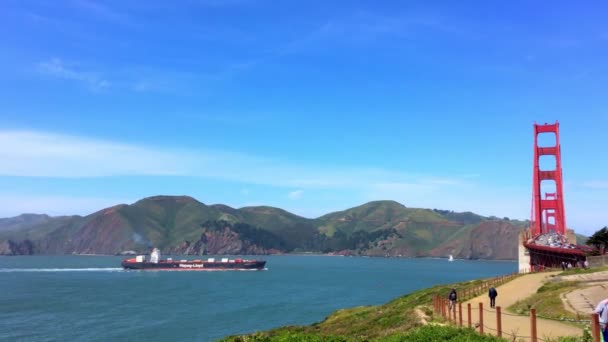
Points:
(602, 310)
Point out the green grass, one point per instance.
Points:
(393, 321)
(397, 321)
(547, 301)
(428, 333)
(578, 270)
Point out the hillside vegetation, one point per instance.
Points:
(177, 224)
(398, 320)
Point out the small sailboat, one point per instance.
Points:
(451, 258)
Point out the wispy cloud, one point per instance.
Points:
(41, 154)
(12, 204)
(55, 67)
(221, 3)
(596, 184)
(153, 79)
(134, 78)
(103, 11)
(36, 154)
(294, 195)
(512, 202)
(367, 27)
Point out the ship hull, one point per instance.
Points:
(194, 266)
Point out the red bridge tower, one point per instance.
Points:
(547, 208)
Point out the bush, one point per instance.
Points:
(430, 333)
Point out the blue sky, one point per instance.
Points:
(309, 106)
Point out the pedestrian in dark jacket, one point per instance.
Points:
(492, 293)
(452, 297)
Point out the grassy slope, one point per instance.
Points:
(22, 221)
(38, 230)
(397, 321)
(547, 301)
(293, 229)
(166, 221)
(367, 217)
(419, 231)
(427, 333)
(393, 321)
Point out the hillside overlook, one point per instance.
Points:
(183, 225)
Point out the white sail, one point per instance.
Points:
(451, 258)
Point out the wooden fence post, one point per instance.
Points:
(533, 325)
(595, 327)
(454, 312)
(498, 322)
(449, 311)
(460, 313)
(469, 312)
(481, 318)
(438, 303)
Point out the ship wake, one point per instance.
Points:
(91, 269)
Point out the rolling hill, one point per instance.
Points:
(183, 225)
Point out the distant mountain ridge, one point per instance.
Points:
(183, 225)
(22, 221)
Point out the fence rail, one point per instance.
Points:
(454, 313)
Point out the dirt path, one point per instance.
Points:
(508, 294)
(592, 289)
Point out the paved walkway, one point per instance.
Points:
(509, 293)
(593, 289)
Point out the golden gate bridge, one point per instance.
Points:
(547, 242)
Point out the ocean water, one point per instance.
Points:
(90, 298)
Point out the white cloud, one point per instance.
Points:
(56, 68)
(16, 204)
(596, 184)
(294, 195)
(35, 154)
(40, 154)
(512, 202)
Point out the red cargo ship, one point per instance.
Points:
(224, 264)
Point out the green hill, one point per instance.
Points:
(177, 223)
(296, 231)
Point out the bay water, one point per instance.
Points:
(90, 298)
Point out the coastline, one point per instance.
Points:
(275, 254)
(416, 311)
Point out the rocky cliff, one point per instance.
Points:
(9, 247)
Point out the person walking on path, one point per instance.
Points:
(492, 293)
(452, 297)
(602, 310)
